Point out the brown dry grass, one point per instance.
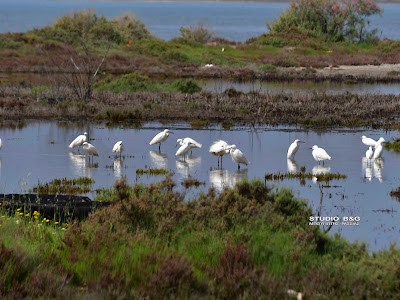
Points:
(290, 108)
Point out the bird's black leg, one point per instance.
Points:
(159, 147)
(238, 166)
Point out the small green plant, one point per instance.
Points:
(267, 67)
(393, 73)
(394, 145)
(188, 86)
(290, 63)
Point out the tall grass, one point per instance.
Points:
(247, 242)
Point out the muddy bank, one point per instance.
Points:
(200, 108)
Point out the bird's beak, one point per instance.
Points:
(302, 142)
(176, 145)
(171, 132)
(310, 148)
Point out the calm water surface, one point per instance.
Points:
(237, 21)
(38, 151)
(219, 86)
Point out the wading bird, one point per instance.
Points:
(293, 148)
(369, 154)
(160, 138)
(90, 149)
(368, 141)
(379, 148)
(194, 144)
(238, 156)
(118, 148)
(219, 148)
(184, 149)
(78, 141)
(320, 154)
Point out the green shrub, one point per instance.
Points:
(188, 86)
(87, 25)
(288, 63)
(328, 19)
(267, 67)
(199, 33)
(174, 55)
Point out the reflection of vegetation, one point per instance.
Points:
(74, 186)
(152, 171)
(394, 145)
(190, 181)
(228, 246)
(302, 176)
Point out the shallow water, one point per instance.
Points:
(219, 86)
(237, 21)
(37, 151)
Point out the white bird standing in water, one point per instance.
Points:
(78, 141)
(90, 149)
(186, 140)
(118, 148)
(219, 148)
(369, 154)
(379, 148)
(368, 141)
(320, 154)
(160, 138)
(238, 156)
(184, 149)
(293, 148)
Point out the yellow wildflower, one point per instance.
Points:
(18, 209)
(56, 223)
(47, 220)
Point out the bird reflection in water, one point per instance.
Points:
(378, 169)
(159, 159)
(118, 165)
(292, 166)
(80, 165)
(319, 170)
(183, 167)
(221, 178)
(367, 168)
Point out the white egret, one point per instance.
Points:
(219, 148)
(293, 148)
(118, 148)
(90, 149)
(320, 154)
(368, 141)
(78, 141)
(184, 149)
(238, 156)
(160, 138)
(194, 144)
(379, 148)
(369, 154)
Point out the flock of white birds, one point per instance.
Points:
(221, 148)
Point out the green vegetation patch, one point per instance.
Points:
(76, 186)
(394, 145)
(303, 176)
(136, 82)
(152, 171)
